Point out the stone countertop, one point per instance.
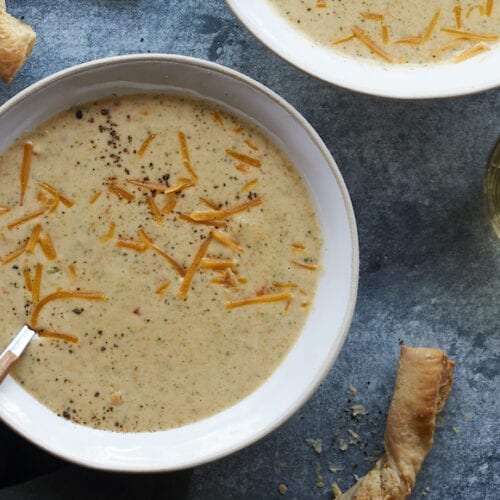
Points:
(429, 270)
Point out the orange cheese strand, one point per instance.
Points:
(303, 265)
(216, 223)
(260, 299)
(163, 288)
(145, 145)
(432, 26)
(120, 192)
(385, 34)
(448, 46)
(214, 263)
(26, 218)
(62, 295)
(4, 210)
(209, 204)
(33, 238)
(13, 255)
(169, 204)
(298, 248)
(58, 336)
(186, 161)
(26, 168)
(54, 192)
(457, 10)
(218, 118)
(138, 246)
(475, 50)
(321, 4)
(249, 185)
(155, 211)
(95, 197)
(344, 39)
(37, 283)
(227, 212)
(471, 36)
(72, 271)
(250, 144)
(489, 7)
(368, 42)
(279, 284)
(226, 241)
(191, 270)
(249, 160)
(371, 16)
(47, 245)
(150, 244)
(110, 234)
(242, 168)
(479, 8)
(163, 188)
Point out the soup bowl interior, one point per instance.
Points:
(402, 81)
(320, 341)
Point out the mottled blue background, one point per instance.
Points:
(430, 265)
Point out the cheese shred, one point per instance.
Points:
(26, 168)
(260, 299)
(191, 270)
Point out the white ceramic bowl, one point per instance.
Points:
(317, 347)
(387, 80)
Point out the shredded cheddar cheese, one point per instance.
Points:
(138, 246)
(4, 210)
(13, 255)
(37, 283)
(145, 145)
(191, 270)
(33, 238)
(432, 26)
(475, 50)
(249, 160)
(58, 336)
(26, 168)
(303, 265)
(150, 244)
(216, 223)
(169, 204)
(279, 284)
(471, 36)
(226, 241)
(62, 295)
(47, 245)
(457, 10)
(489, 7)
(242, 168)
(227, 212)
(372, 16)
(186, 160)
(95, 197)
(218, 118)
(344, 39)
(72, 271)
(249, 185)
(155, 211)
(110, 234)
(120, 192)
(54, 192)
(250, 144)
(298, 248)
(161, 290)
(260, 299)
(26, 218)
(209, 204)
(385, 34)
(479, 8)
(27, 278)
(368, 42)
(216, 263)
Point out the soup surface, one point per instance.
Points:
(397, 31)
(166, 251)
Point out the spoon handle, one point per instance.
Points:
(7, 359)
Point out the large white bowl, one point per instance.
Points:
(319, 344)
(445, 79)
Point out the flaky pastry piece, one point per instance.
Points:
(16, 43)
(2, 5)
(423, 382)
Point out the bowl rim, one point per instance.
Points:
(368, 85)
(353, 288)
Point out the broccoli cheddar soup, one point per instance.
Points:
(397, 31)
(166, 252)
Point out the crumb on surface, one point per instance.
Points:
(357, 410)
(352, 390)
(116, 398)
(282, 488)
(315, 444)
(342, 444)
(335, 468)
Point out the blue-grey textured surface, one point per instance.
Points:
(429, 275)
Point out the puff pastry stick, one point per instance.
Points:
(2, 5)
(16, 43)
(423, 382)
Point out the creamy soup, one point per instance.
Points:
(398, 31)
(167, 253)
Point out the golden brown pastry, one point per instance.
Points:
(2, 5)
(16, 42)
(423, 382)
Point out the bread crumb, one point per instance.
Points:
(468, 417)
(354, 437)
(352, 390)
(426, 491)
(342, 444)
(315, 444)
(455, 430)
(282, 488)
(337, 492)
(335, 468)
(116, 398)
(357, 410)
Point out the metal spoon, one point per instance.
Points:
(14, 350)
